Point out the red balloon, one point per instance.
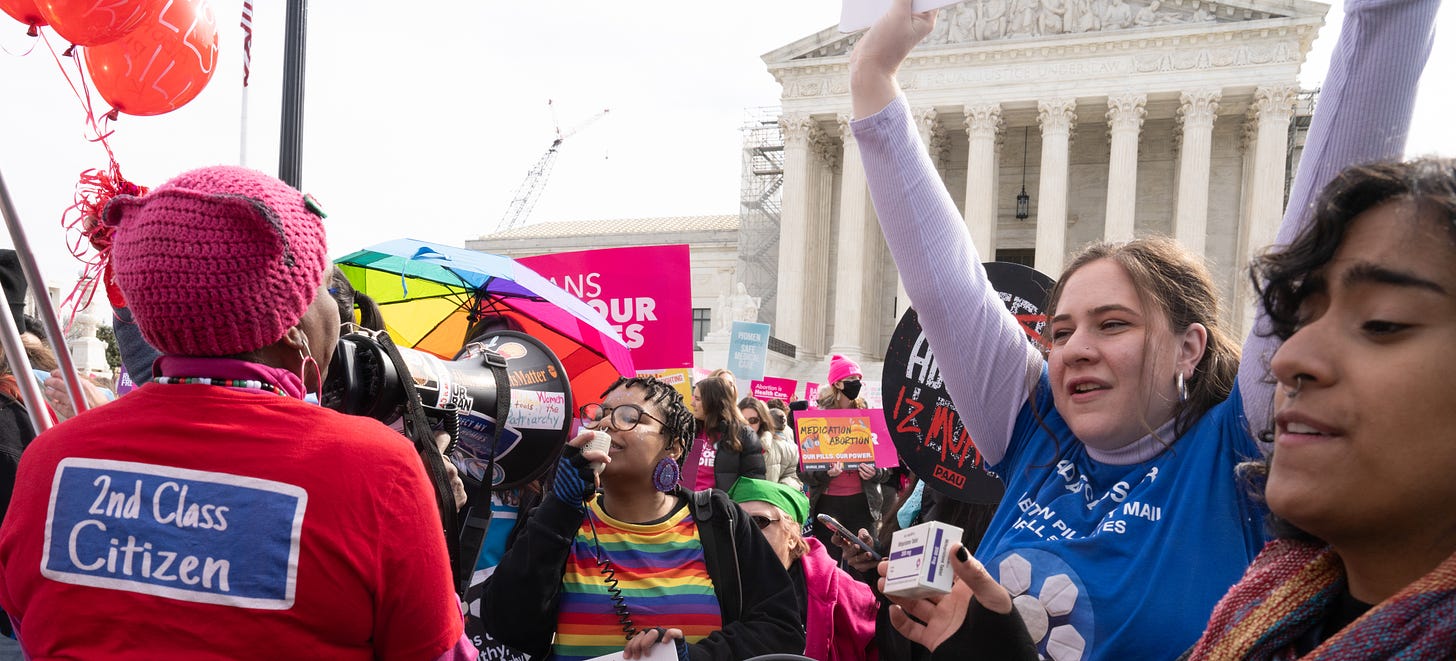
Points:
(95, 22)
(24, 11)
(160, 66)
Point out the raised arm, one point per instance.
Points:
(989, 363)
(1363, 115)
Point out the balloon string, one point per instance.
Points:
(28, 51)
(82, 220)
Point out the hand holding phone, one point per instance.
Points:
(844, 532)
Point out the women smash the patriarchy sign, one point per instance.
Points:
(196, 536)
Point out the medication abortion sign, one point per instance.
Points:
(210, 538)
(843, 436)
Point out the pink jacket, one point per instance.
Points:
(841, 611)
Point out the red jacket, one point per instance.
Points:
(840, 622)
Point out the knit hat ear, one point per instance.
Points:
(115, 211)
(218, 261)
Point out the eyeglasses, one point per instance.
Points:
(624, 418)
(762, 521)
(754, 421)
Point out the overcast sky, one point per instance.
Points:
(423, 123)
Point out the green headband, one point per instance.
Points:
(792, 501)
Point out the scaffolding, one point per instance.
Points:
(1304, 104)
(760, 205)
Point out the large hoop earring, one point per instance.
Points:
(665, 475)
(1182, 388)
(303, 371)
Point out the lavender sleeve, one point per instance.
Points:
(1363, 115)
(984, 357)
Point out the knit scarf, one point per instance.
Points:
(1290, 588)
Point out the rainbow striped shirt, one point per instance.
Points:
(661, 574)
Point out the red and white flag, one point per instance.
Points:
(247, 40)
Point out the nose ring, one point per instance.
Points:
(1298, 385)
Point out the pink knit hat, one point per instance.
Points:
(843, 368)
(218, 261)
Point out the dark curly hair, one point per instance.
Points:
(677, 419)
(1282, 276)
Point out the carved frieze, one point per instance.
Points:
(1170, 60)
(993, 20)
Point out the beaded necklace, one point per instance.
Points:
(229, 383)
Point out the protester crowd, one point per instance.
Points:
(1287, 498)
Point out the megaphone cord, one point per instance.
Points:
(609, 577)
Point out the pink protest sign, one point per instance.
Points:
(645, 293)
(773, 387)
(811, 392)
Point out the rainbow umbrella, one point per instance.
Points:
(430, 294)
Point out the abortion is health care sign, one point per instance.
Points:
(748, 350)
(770, 388)
(923, 420)
(847, 436)
(645, 293)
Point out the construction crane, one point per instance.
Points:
(530, 189)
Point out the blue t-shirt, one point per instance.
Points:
(1121, 562)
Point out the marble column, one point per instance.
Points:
(1125, 114)
(803, 228)
(1057, 117)
(856, 275)
(983, 123)
(1197, 112)
(816, 246)
(1271, 111)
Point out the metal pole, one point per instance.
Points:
(35, 406)
(290, 148)
(10, 334)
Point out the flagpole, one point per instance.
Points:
(290, 148)
(247, 25)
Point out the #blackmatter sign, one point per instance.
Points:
(923, 421)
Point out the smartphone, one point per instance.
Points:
(844, 532)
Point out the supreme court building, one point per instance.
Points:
(1122, 118)
(1118, 118)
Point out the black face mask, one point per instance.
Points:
(851, 388)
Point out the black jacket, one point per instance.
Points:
(759, 610)
(16, 432)
(728, 465)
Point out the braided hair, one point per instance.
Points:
(677, 419)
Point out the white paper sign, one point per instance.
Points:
(659, 652)
(860, 14)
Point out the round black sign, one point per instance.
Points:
(923, 422)
(540, 412)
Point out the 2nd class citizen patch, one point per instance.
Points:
(190, 535)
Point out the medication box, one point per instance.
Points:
(920, 561)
